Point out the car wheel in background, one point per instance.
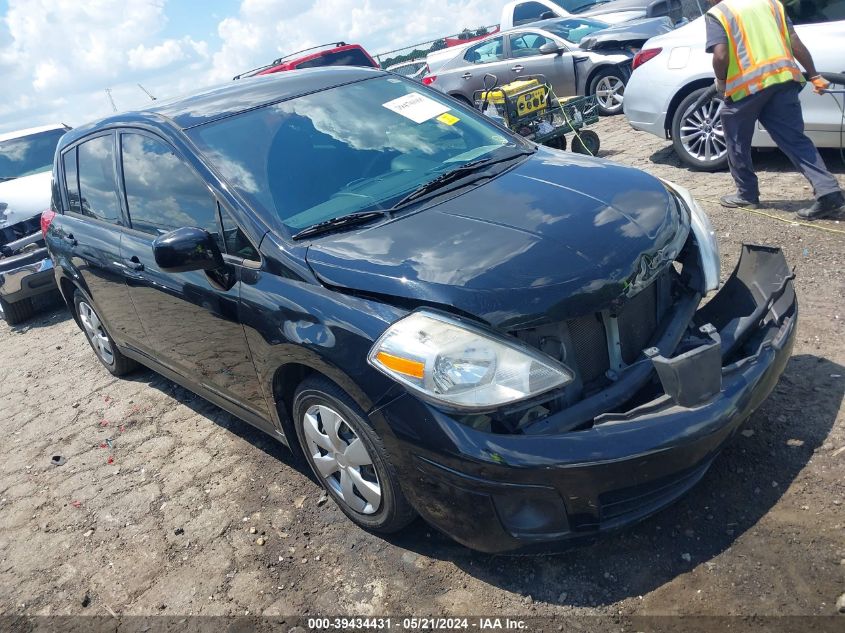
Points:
(462, 99)
(18, 312)
(586, 142)
(608, 86)
(348, 457)
(697, 134)
(98, 337)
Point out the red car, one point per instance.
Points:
(339, 54)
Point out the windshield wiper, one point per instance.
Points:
(454, 175)
(339, 222)
(5, 178)
(443, 180)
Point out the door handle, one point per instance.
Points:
(466, 75)
(133, 263)
(517, 68)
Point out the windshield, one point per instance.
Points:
(356, 147)
(28, 155)
(573, 29)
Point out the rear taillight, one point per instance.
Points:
(644, 55)
(46, 220)
(429, 79)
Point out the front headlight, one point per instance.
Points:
(705, 236)
(461, 365)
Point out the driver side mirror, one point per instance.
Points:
(187, 249)
(550, 48)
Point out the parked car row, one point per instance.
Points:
(673, 71)
(577, 56)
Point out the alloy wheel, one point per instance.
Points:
(341, 459)
(96, 333)
(610, 93)
(701, 132)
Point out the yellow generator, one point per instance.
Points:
(530, 108)
(517, 99)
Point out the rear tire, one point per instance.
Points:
(348, 457)
(586, 142)
(690, 130)
(99, 338)
(17, 312)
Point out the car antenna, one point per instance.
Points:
(113, 106)
(147, 92)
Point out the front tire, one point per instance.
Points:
(608, 86)
(17, 312)
(348, 458)
(99, 339)
(697, 134)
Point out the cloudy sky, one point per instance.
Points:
(57, 57)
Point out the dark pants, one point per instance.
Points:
(779, 110)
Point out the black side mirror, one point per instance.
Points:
(187, 249)
(550, 48)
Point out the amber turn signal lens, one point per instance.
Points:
(412, 368)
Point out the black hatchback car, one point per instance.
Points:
(444, 318)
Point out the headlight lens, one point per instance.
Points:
(461, 365)
(705, 236)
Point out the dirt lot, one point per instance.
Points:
(158, 518)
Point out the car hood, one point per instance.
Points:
(557, 236)
(23, 198)
(633, 31)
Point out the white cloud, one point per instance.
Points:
(58, 56)
(164, 54)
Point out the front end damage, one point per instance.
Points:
(637, 429)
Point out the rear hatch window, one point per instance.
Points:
(351, 57)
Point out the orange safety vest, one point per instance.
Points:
(759, 46)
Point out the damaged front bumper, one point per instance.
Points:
(499, 492)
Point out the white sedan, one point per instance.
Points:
(673, 70)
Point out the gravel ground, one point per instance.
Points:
(186, 510)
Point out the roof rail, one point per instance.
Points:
(276, 62)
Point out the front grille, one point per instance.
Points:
(646, 498)
(589, 343)
(637, 322)
(581, 342)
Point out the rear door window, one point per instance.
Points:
(97, 183)
(489, 51)
(162, 192)
(815, 11)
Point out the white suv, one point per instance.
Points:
(673, 70)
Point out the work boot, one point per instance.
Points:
(831, 205)
(735, 201)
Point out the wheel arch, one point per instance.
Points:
(287, 378)
(679, 96)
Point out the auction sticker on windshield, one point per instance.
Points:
(416, 107)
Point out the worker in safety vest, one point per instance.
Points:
(755, 49)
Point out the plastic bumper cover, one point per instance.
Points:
(26, 275)
(500, 493)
